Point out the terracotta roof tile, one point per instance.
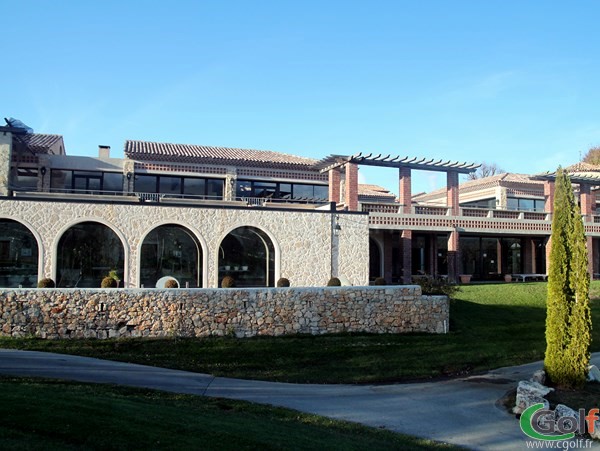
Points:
(188, 153)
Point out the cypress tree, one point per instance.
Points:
(568, 319)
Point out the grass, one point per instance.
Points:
(50, 415)
(491, 325)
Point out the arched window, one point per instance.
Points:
(247, 254)
(18, 255)
(171, 251)
(87, 252)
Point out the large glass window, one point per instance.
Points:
(87, 182)
(248, 255)
(277, 190)
(177, 186)
(87, 252)
(18, 255)
(171, 251)
(517, 203)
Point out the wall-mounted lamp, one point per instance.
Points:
(129, 175)
(43, 170)
(336, 229)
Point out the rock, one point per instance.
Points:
(539, 376)
(530, 393)
(563, 411)
(596, 434)
(593, 374)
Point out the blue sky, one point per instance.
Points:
(509, 82)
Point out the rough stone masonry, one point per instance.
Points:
(242, 312)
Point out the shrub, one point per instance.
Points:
(334, 282)
(46, 283)
(283, 282)
(171, 283)
(379, 281)
(108, 282)
(228, 282)
(433, 285)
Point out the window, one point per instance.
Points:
(18, 255)
(514, 203)
(27, 179)
(278, 190)
(177, 186)
(88, 182)
(86, 253)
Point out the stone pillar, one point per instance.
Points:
(335, 181)
(452, 192)
(501, 198)
(230, 184)
(128, 176)
(405, 190)
(351, 188)
(549, 196)
(587, 201)
(44, 174)
(406, 256)
(5, 160)
(453, 256)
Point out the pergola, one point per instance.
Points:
(333, 164)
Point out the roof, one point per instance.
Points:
(482, 183)
(374, 190)
(189, 153)
(39, 143)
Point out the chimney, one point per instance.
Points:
(103, 151)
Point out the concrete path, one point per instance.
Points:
(459, 411)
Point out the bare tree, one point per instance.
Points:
(592, 156)
(486, 170)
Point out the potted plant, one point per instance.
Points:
(507, 278)
(465, 278)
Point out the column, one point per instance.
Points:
(452, 200)
(406, 240)
(128, 176)
(335, 181)
(528, 256)
(453, 256)
(5, 160)
(405, 190)
(351, 188)
(587, 201)
(549, 196)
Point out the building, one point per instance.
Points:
(199, 213)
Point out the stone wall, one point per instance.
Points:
(107, 313)
(306, 251)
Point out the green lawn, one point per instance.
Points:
(50, 415)
(491, 325)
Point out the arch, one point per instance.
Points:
(250, 255)
(173, 250)
(86, 251)
(20, 255)
(375, 259)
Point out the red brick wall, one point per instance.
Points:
(405, 190)
(334, 185)
(452, 191)
(351, 195)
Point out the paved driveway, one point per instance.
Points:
(459, 411)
